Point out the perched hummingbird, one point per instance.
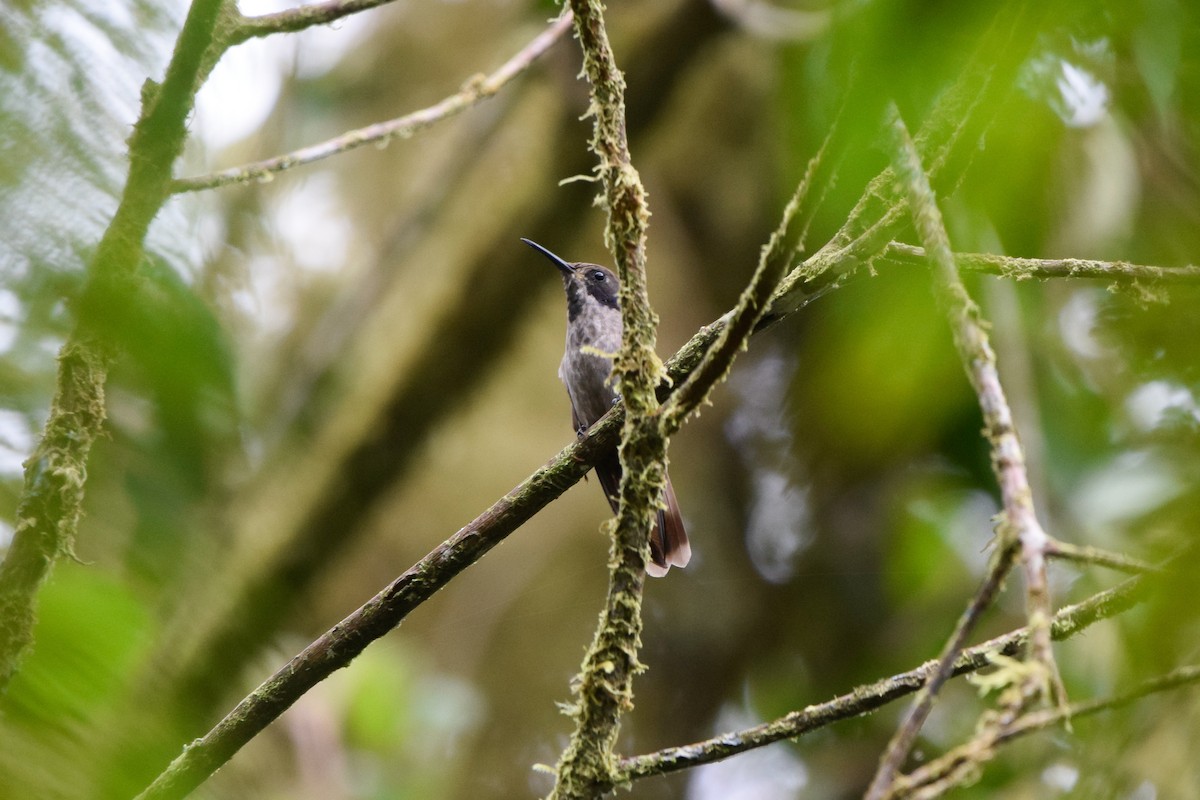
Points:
(593, 335)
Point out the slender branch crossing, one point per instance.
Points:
(477, 89)
(1020, 527)
(1068, 622)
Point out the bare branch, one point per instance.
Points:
(383, 612)
(904, 737)
(865, 699)
(475, 90)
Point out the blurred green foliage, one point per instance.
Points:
(276, 327)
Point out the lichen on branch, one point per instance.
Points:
(587, 767)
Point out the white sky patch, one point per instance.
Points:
(243, 89)
(312, 221)
(239, 95)
(1129, 486)
(1149, 404)
(766, 773)
(1085, 99)
(16, 442)
(10, 314)
(1076, 323)
(1062, 777)
(96, 52)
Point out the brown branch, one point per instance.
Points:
(477, 89)
(918, 712)
(55, 474)
(1068, 622)
(338, 646)
(1043, 268)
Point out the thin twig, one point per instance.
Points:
(933, 778)
(906, 733)
(1042, 268)
(1020, 525)
(1100, 557)
(1068, 622)
(475, 90)
(751, 307)
(300, 18)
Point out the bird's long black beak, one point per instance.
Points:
(566, 266)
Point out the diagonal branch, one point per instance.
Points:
(942, 773)
(338, 646)
(918, 712)
(752, 306)
(341, 644)
(55, 474)
(1020, 527)
(477, 89)
(1068, 622)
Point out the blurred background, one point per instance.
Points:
(331, 372)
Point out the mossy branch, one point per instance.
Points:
(342, 643)
(1068, 622)
(338, 646)
(51, 503)
(1045, 268)
(960, 764)
(604, 688)
(750, 310)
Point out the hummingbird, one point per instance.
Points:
(593, 336)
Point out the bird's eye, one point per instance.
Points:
(598, 276)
